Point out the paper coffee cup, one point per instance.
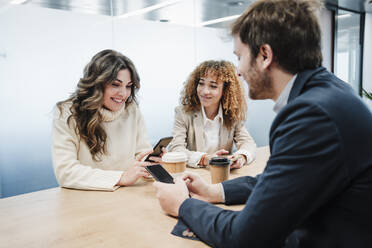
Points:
(174, 162)
(220, 169)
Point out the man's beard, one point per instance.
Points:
(259, 84)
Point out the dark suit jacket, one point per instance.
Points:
(316, 190)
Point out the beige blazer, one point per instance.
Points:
(188, 137)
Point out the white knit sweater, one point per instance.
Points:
(73, 164)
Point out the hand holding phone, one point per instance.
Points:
(163, 142)
(159, 173)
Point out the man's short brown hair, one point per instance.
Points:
(290, 27)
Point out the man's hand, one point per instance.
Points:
(201, 190)
(171, 196)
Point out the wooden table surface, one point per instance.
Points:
(128, 217)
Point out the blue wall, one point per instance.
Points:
(26, 165)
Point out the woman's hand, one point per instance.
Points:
(138, 170)
(158, 159)
(216, 154)
(238, 160)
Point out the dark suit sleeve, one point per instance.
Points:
(304, 172)
(240, 188)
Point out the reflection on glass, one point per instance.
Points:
(348, 48)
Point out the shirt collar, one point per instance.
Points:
(218, 116)
(283, 98)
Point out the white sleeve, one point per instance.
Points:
(143, 145)
(70, 173)
(222, 193)
(194, 159)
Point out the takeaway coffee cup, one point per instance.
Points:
(174, 162)
(220, 169)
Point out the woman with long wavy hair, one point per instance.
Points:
(211, 117)
(99, 136)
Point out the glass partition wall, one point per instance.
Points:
(348, 47)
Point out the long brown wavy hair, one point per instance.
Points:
(87, 99)
(233, 101)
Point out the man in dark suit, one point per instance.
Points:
(316, 190)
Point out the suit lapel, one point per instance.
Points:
(301, 80)
(198, 127)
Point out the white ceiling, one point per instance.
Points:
(184, 12)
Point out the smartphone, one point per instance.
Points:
(159, 173)
(163, 142)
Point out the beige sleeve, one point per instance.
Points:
(70, 173)
(179, 142)
(143, 145)
(244, 142)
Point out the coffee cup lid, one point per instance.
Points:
(219, 161)
(174, 157)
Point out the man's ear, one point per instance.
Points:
(267, 56)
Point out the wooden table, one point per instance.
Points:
(128, 217)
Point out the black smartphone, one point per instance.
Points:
(159, 173)
(163, 142)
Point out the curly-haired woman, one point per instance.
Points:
(211, 117)
(99, 136)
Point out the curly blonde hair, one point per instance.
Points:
(233, 101)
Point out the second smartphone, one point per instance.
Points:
(163, 142)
